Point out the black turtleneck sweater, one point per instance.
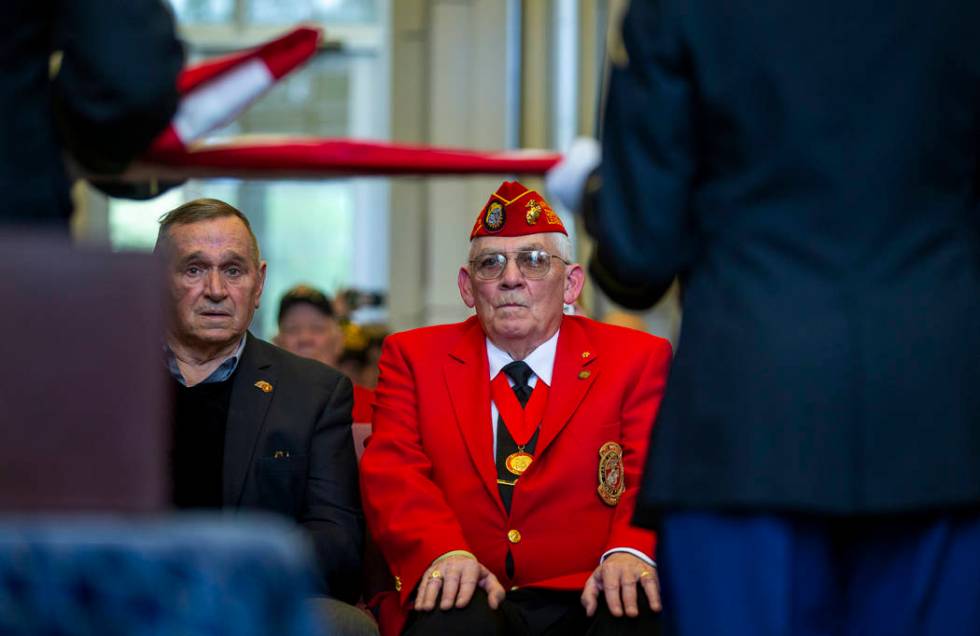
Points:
(197, 458)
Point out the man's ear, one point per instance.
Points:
(260, 284)
(465, 282)
(574, 282)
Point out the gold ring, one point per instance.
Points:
(645, 573)
(436, 574)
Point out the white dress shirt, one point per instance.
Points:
(542, 362)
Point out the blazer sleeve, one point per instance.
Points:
(639, 215)
(639, 410)
(408, 515)
(332, 510)
(117, 84)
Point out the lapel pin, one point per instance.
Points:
(586, 354)
(584, 375)
(279, 454)
(264, 386)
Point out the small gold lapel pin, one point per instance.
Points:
(584, 375)
(280, 454)
(264, 386)
(586, 354)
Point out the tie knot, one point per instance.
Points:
(519, 372)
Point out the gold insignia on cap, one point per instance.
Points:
(263, 386)
(584, 375)
(612, 480)
(493, 218)
(533, 211)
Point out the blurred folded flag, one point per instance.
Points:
(214, 93)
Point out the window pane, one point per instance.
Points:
(208, 11)
(326, 11)
(313, 101)
(306, 238)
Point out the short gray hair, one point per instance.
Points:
(200, 210)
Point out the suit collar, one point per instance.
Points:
(466, 371)
(573, 375)
(251, 395)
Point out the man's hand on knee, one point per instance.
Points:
(451, 580)
(618, 577)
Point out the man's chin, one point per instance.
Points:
(217, 335)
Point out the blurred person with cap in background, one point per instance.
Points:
(308, 327)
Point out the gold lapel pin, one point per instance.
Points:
(280, 454)
(584, 375)
(586, 354)
(264, 386)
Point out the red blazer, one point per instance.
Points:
(428, 478)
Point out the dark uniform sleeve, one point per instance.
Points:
(332, 513)
(639, 215)
(117, 84)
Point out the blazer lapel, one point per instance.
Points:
(573, 375)
(255, 382)
(468, 383)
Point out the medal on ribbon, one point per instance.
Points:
(521, 423)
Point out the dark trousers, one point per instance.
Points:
(773, 575)
(531, 612)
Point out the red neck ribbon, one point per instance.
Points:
(521, 422)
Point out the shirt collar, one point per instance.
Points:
(222, 373)
(541, 360)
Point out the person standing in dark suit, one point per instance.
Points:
(809, 172)
(114, 89)
(256, 427)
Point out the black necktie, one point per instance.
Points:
(520, 373)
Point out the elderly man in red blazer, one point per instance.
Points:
(507, 449)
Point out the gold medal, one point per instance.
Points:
(518, 462)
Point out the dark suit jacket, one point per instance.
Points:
(116, 89)
(290, 450)
(810, 172)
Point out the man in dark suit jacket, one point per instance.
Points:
(810, 173)
(256, 427)
(114, 90)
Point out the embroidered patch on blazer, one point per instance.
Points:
(612, 481)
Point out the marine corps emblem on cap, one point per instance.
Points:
(533, 212)
(493, 217)
(612, 481)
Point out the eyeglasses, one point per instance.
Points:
(534, 264)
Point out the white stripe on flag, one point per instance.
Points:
(222, 100)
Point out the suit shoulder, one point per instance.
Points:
(435, 337)
(304, 369)
(622, 337)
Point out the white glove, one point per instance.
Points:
(565, 182)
